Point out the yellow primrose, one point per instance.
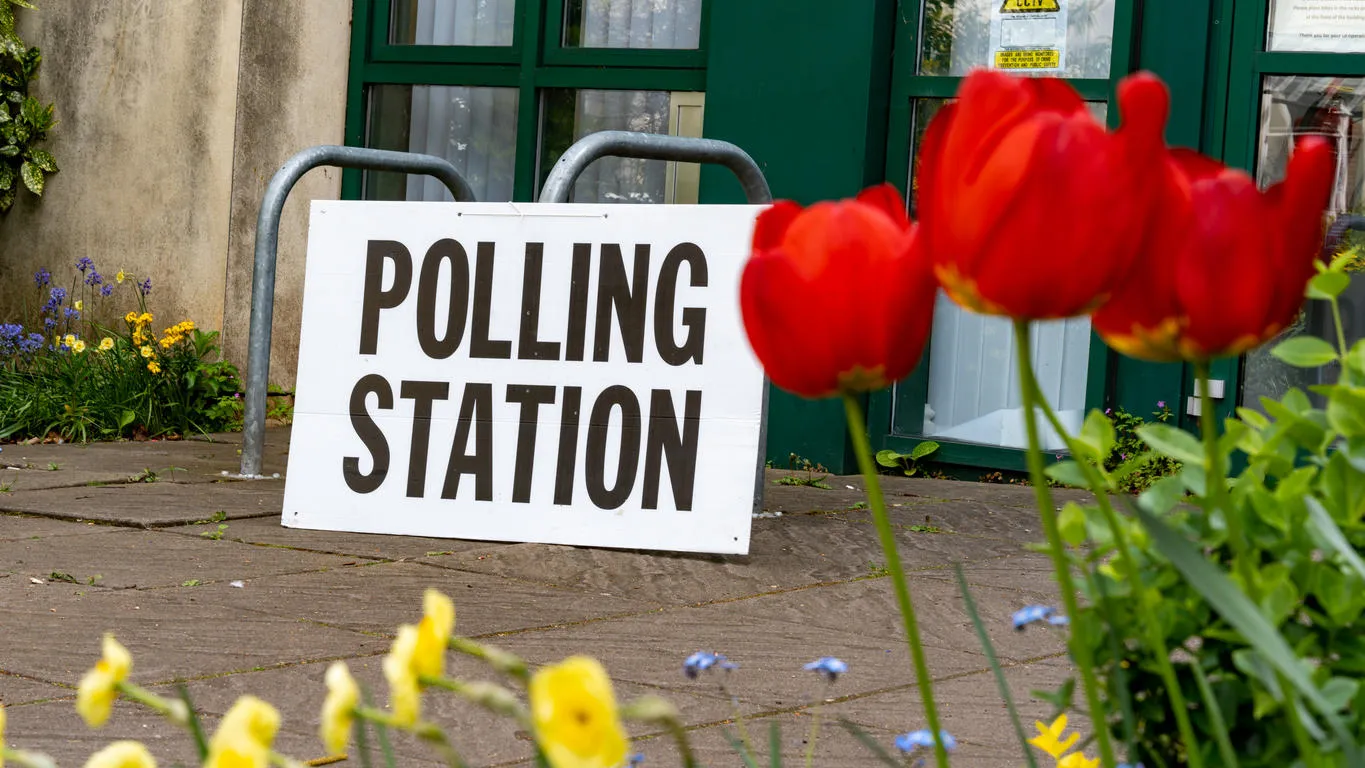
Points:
(433, 634)
(79, 305)
(120, 277)
(574, 713)
(99, 687)
(106, 344)
(244, 737)
(338, 709)
(1078, 760)
(147, 351)
(154, 366)
(78, 346)
(122, 754)
(400, 669)
(69, 340)
(1049, 738)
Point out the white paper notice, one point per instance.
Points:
(1332, 26)
(569, 374)
(1028, 35)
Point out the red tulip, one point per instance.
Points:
(1028, 207)
(837, 297)
(1224, 265)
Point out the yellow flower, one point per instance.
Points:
(1078, 760)
(79, 305)
(69, 340)
(144, 318)
(147, 351)
(131, 317)
(244, 737)
(106, 344)
(433, 634)
(400, 669)
(1049, 738)
(122, 754)
(154, 366)
(99, 687)
(338, 709)
(574, 712)
(169, 342)
(120, 277)
(78, 346)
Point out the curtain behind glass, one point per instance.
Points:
(669, 24)
(621, 179)
(453, 22)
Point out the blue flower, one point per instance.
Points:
(828, 666)
(84, 263)
(701, 661)
(58, 295)
(635, 760)
(49, 323)
(909, 742)
(32, 344)
(42, 277)
(107, 290)
(1031, 614)
(72, 313)
(145, 287)
(94, 278)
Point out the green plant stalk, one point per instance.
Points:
(171, 709)
(506, 707)
(496, 657)
(428, 732)
(1129, 564)
(857, 431)
(814, 733)
(1057, 547)
(679, 734)
(1336, 320)
(24, 758)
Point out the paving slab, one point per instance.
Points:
(53, 632)
(346, 597)
(15, 527)
(959, 517)
(15, 690)
(833, 745)
(785, 553)
(54, 728)
(152, 504)
(1031, 573)
(371, 546)
(139, 558)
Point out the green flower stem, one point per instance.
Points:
(499, 659)
(491, 697)
(26, 759)
(428, 732)
(1080, 651)
(857, 429)
(814, 733)
(1151, 626)
(171, 709)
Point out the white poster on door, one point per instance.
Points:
(570, 374)
(1028, 35)
(1332, 26)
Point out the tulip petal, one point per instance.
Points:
(1144, 105)
(786, 333)
(887, 199)
(772, 224)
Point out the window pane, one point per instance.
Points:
(474, 128)
(1331, 107)
(1072, 38)
(1334, 26)
(452, 22)
(569, 115)
(632, 24)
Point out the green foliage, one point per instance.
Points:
(1128, 446)
(24, 121)
(812, 477)
(909, 463)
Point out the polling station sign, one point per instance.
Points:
(570, 374)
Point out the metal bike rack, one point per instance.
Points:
(650, 146)
(267, 242)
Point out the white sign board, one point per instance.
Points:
(570, 374)
(1333, 26)
(1028, 35)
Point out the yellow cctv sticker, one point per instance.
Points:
(1030, 6)
(1028, 59)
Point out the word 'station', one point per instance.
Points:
(565, 374)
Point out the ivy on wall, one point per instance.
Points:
(24, 121)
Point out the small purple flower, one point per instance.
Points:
(1123, 457)
(701, 661)
(145, 287)
(1108, 411)
(31, 344)
(94, 278)
(909, 742)
(107, 290)
(42, 277)
(1161, 403)
(58, 295)
(828, 666)
(72, 313)
(84, 263)
(1031, 614)
(49, 323)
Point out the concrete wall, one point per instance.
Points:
(172, 117)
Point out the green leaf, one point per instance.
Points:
(1163, 495)
(1216, 721)
(1305, 351)
(888, 458)
(738, 746)
(125, 418)
(33, 178)
(876, 749)
(43, 159)
(1330, 537)
(1071, 521)
(923, 449)
(9, 150)
(774, 744)
(7, 199)
(1172, 441)
(1346, 410)
(1328, 285)
(6, 176)
(1234, 606)
(1097, 433)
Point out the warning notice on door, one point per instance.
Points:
(1028, 35)
(1331, 26)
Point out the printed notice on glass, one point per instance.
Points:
(1028, 35)
(1331, 26)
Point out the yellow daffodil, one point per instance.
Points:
(99, 687)
(79, 305)
(154, 366)
(1078, 760)
(1049, 738)
(400, 669)
(244, 738)
(120, 277)
(78, 346)
(433, 634)
(338, 709)
(106, 344)
(574, 712)
(147, 351)
(122, 754)
(69, 340)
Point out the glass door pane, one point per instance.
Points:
(1293, 106)
(656, 24)
(453, 22)
(1331, 26)
(1068, 38)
